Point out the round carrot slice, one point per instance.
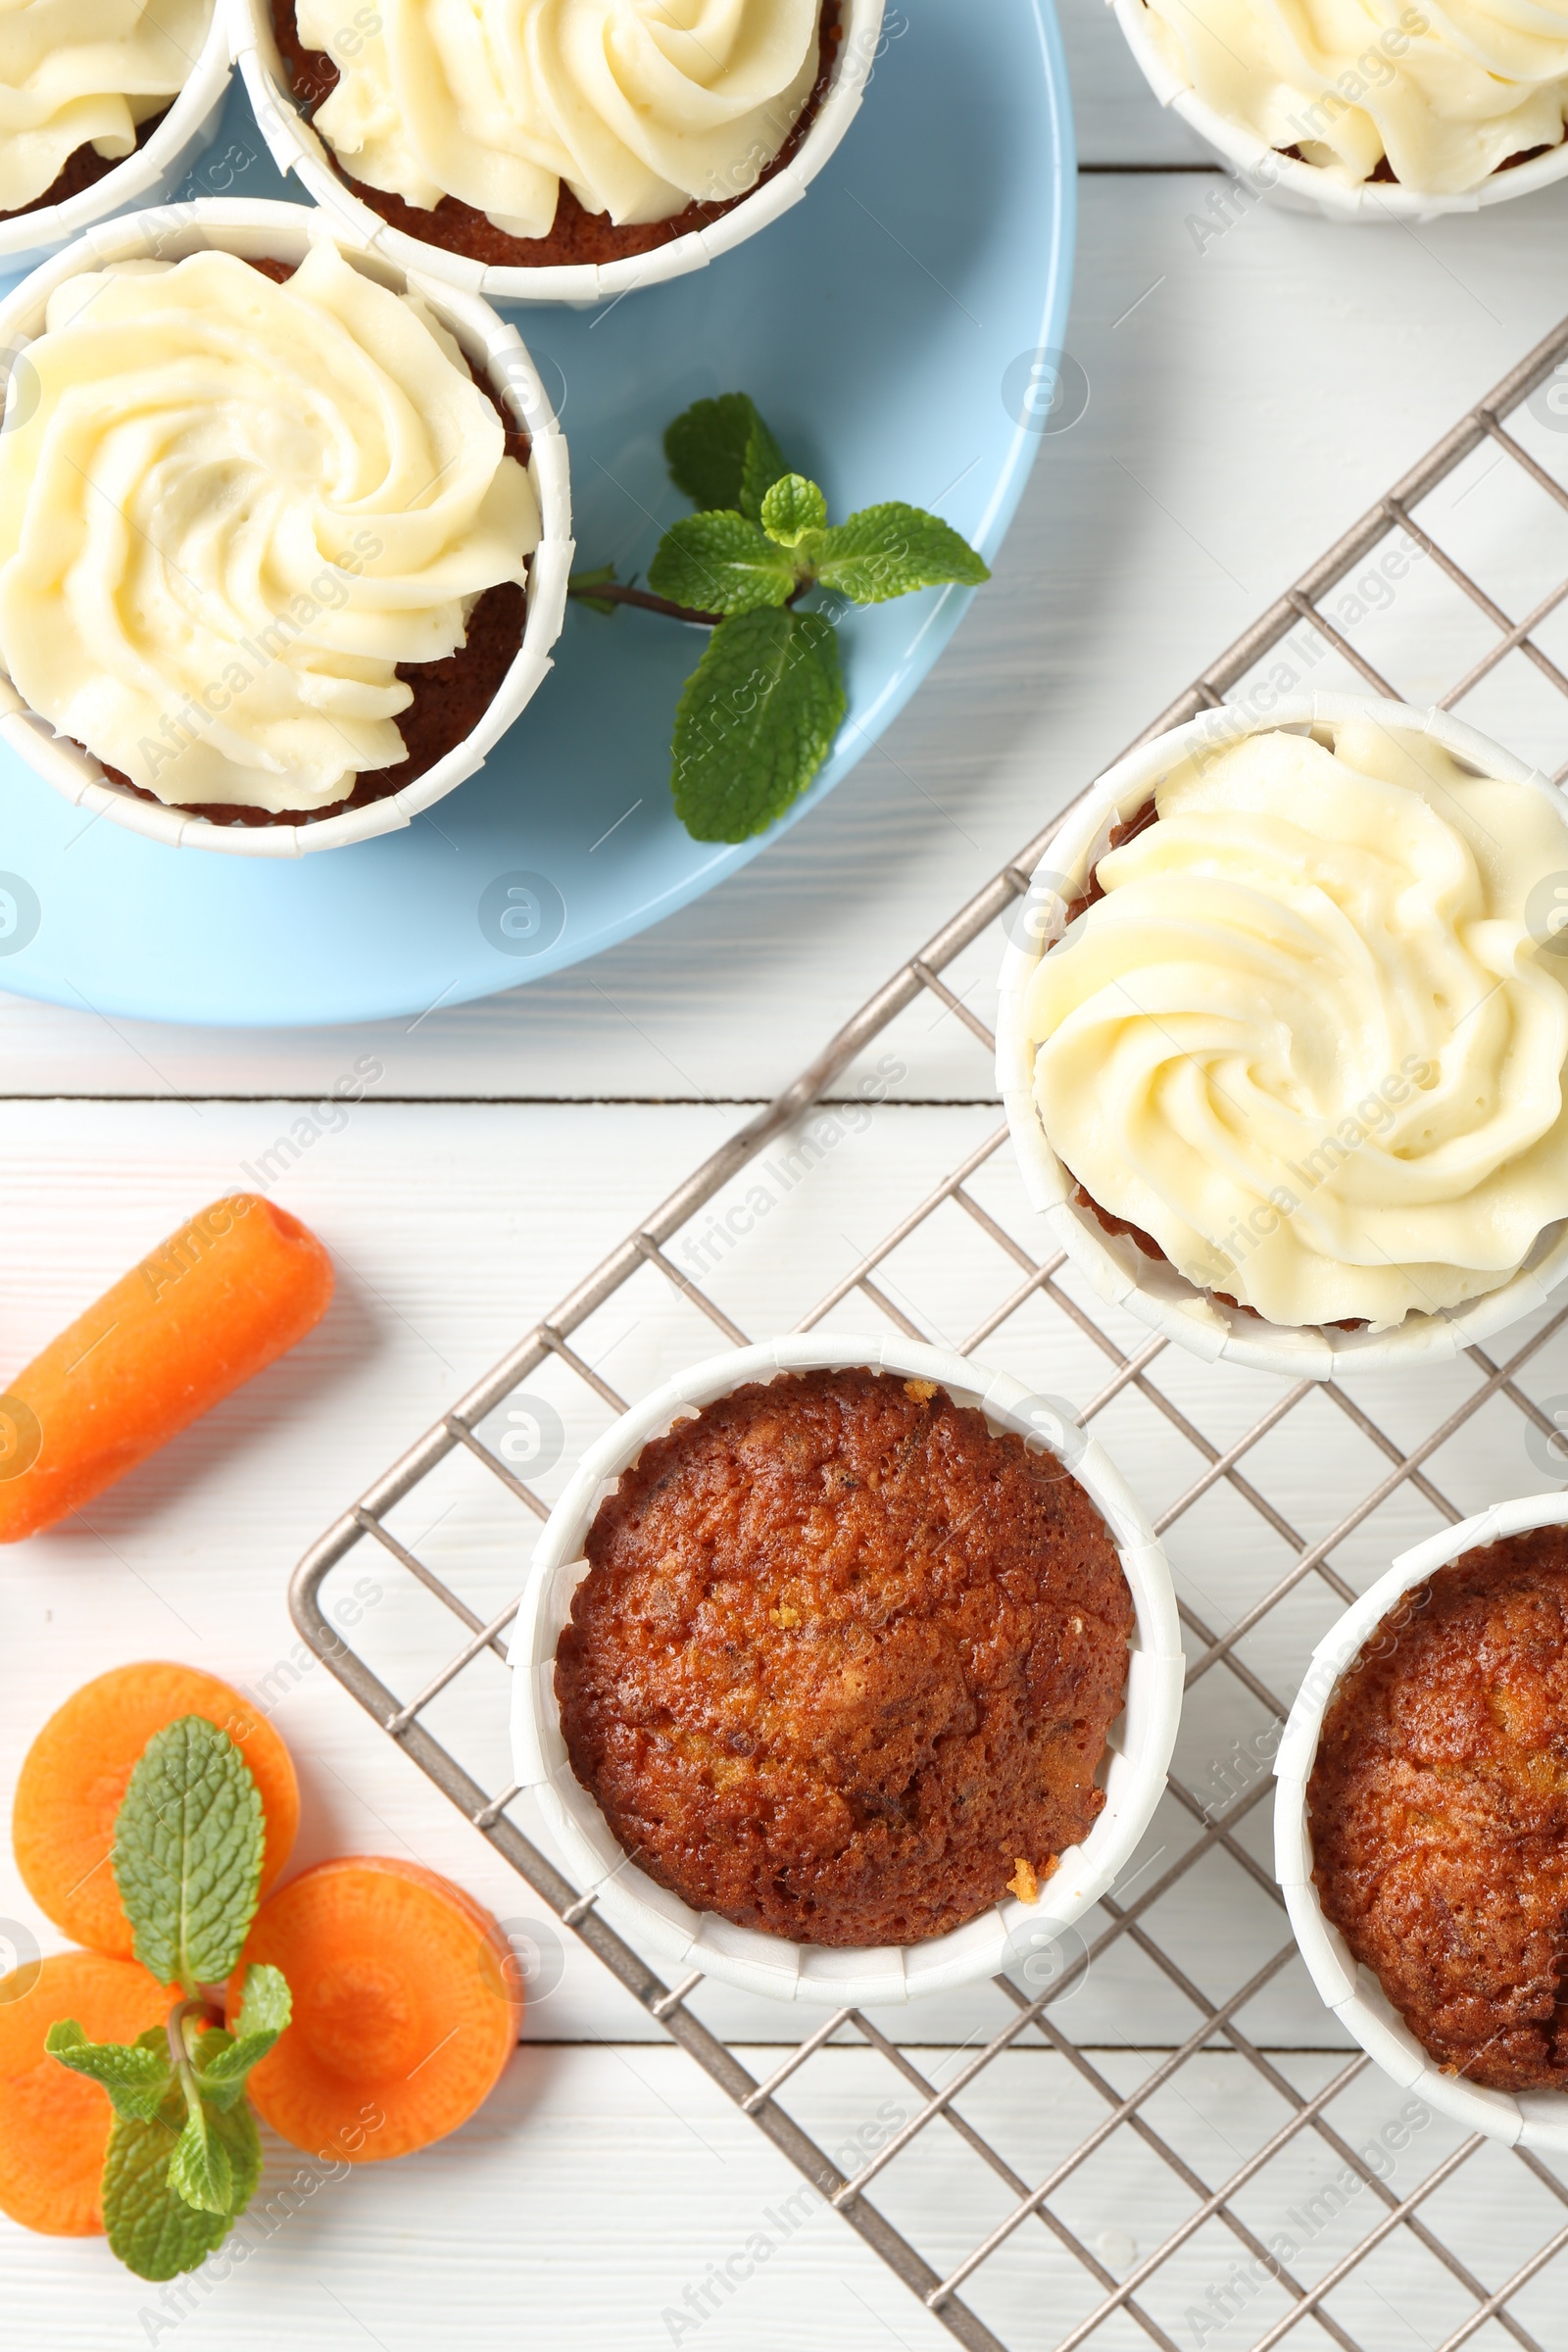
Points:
(73, 1779)
(54, 2125)
(406, 2008)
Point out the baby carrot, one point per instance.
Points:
(54, 2126)
(211, 1306)
(73, 1782)
(407, 2006)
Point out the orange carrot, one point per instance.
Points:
(211, 1306)
(74, 1779)
(54, 2125)
(406, 2008)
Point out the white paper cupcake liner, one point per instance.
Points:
(1305, 187)
(1119, 1271)
(299, 149)
(657, 1922)
(1532, 2119)
(285, 232)
(148, 176)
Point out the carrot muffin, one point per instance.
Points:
(1301, 1038)
(843, 1663)
(558, 131)
(81, 85)
(235, 513)
(1434, 99)
(1439, 1812)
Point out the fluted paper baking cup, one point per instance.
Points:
(285, 232)
(658, 1922)
(1120, 1272)
(298, 148)
(153, 172)
(1527, 2119)
(1306, 188)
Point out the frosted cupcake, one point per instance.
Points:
(537, 144)
(102, 104)
(81, 87)
(265, 533)
(1362, 106)
(1294, 1063)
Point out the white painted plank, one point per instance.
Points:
(1117, 117)
(613, 2201)
(1249, 399)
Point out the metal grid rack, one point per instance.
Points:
(1110, 2308)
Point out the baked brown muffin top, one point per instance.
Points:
(844, 1662)
(1439, 1812)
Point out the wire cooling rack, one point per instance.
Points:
(1266, 2211)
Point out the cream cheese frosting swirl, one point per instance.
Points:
(86, 72)
(228, 510)
(1446, 92)
(641, 107)
(1307, 1040)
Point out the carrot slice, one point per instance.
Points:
(211, 1306)
(74, 1778)
(406, 2008)
(54, 2125)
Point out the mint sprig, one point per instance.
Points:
(185, 2157)
(759, 715)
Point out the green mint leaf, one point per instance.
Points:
(756, 722)
(581, 585)
(239, 2135)
(136, 2079)
(793, 507)
(266, 2004)
(887, 551)
(721, 454)
(221, 2074)
(222, 2061)
(200, 2169)
(721, 563)
(187, 1853)
(151, 2227)
(211, 2045)
(764, 462)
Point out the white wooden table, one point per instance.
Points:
(1251, 393)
